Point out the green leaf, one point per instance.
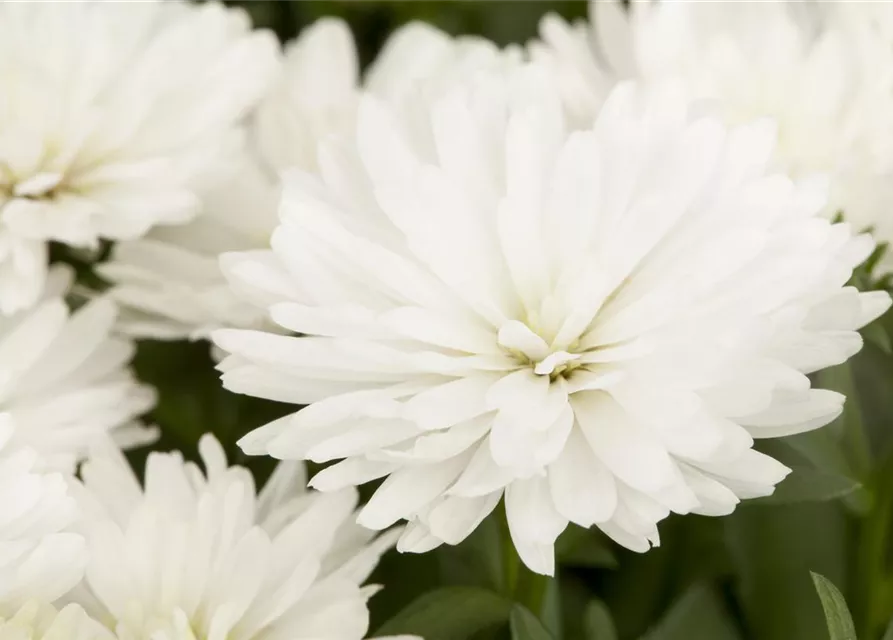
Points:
(699, 615)
(806, 484)
(889, 634)
(526, 626)
(837, 615)
(597, 622)
(451, 613)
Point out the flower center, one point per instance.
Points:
(37, 187)
(531, 350)
(556, 363)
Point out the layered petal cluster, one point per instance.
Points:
(39, 556)
(594, 325)
(65, 384)
(169, 282)
(34, 621)
(199, 556)
(823, 72)
(112, 115)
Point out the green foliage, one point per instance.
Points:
(837, 615)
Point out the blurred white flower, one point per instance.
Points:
(595, 326)
(823, 72)
(64, 378)
(39, 557)
(112, 114)
(199, 556)
(169, 282)
(35, 621)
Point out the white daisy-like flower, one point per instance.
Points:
(39, 556)
(198, 556)
(113, 114)
(593, 325)
(169, 282)
(822, 72)
(65, 384)
(36, 621)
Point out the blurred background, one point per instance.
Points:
(742, 577)
(503, 22)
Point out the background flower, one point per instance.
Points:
(64, 378)
(111, 117)
(199, 555)
(40, 557)
(822, 72)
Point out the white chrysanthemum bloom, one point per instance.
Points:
(594, 325)
(198, 556)
(65, 384)
(823, 73)
(113, 114)
(39, 556)
(34, 621)
(169, 282)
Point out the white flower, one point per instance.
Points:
(823, 72)
(64, 380)
(39, 557)
(34, 621)
(112, 114)
(169, 282)
(198, 556)
(595, 326)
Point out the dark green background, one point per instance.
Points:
(741, 577)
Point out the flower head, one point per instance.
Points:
(113, 113)
(198, 556)
(594, 325)
(823, 73)
(64, 380)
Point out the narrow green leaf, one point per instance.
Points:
(806, 484)
(526, 626)
(452, 613)
(699, 615)
(837, 615)
(597, 622)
